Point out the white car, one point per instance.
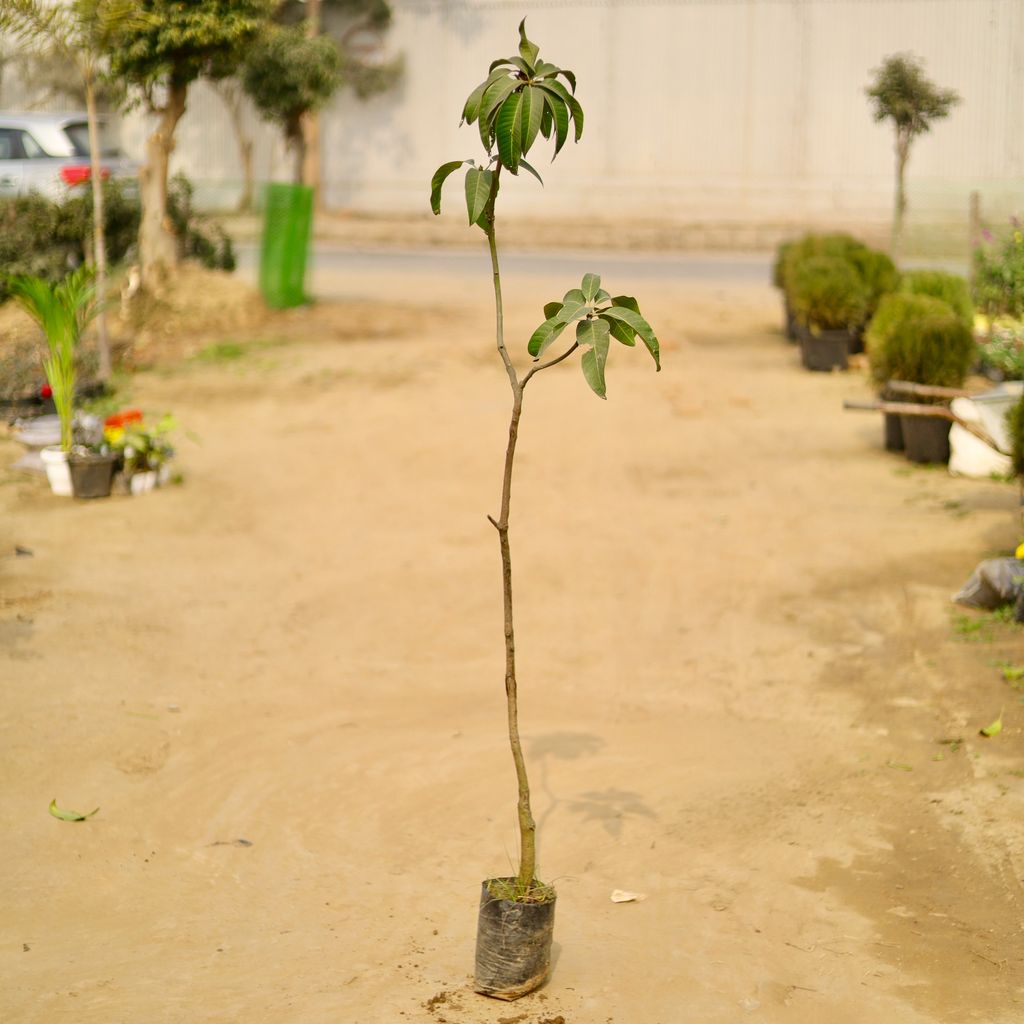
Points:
(49, 153)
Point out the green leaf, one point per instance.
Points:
(478, 190)
(595, 334)
(542, 69)
(472, 108)
(495, 95)
(545, 334)
(508, 132)
(531, 112)
(590, 286)
(602, 296)
(526, 166)
(68, 815)
(630, 316)
(571, 310)
(551, 308)
(574, 295)
(529, 51)
(575, 110)
(440, 176)
(994, 729)
(569, 77)
(560, 115)
(547, 122)
(628, 301)
(620, 330)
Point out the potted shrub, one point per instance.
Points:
(779, 281)
(63, 311)
(950, 288)
(829, 300)
(919, 338)
(525, 98)
(880, 277)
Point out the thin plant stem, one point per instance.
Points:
(527, 826)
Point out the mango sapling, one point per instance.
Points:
(525, 98)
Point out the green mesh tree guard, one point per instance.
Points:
(287, 226)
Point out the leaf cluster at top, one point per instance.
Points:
(903, 94)
(520, 100)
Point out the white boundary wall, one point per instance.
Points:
(746, 111)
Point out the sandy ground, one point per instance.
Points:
(738, 662)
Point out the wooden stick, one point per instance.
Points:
(935, 411)
(906, 387)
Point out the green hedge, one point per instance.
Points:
(950, 288)
(45, 237)
(877, 273)
(827, 293)
(919, 338)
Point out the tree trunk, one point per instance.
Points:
(310, 173)
(231, 96)
(900, 207)
(158, 248)
(99, 241)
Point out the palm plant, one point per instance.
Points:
(79, 33)
(522, 99)
(63, 311)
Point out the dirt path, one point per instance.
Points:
(738, 658)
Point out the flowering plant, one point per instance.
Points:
(999, 273)
(1001, 349)
(142, 447)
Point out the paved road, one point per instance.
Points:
(729, 268)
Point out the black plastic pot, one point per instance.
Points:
(790, 320)
(926, 438)
(91, 475)
(826, 350)
(513, 945)
(893, 432)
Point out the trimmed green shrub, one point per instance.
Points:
(919, 338)
(950, 288)
(879, 274)
(1015, 421)
(121, 213)
(44, 238)
(827, 293)
(32, 242)
(811, 246)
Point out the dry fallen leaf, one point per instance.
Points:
(621, 896)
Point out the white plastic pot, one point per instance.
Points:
(55, 462)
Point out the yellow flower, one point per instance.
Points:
(113, 435)
(1019, 553)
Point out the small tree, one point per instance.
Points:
(76, 36)
(295, 70)
(524, 98)
(902, 94)
(287, 75)
(159, 58)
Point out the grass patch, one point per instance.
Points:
(510, 889)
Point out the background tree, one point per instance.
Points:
(75, 37)
(288, 74)
(902, 94)
(232, 95)
(358, 27)
(159, 59)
